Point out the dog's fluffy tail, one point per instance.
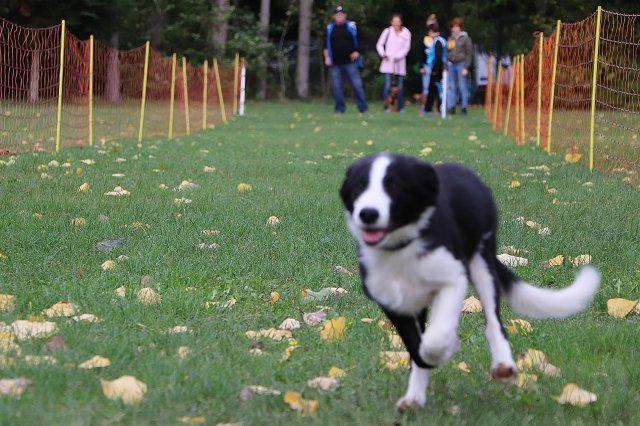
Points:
(535, 302)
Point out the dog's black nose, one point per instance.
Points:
(369, 216)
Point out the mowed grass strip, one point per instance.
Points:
(293, 156)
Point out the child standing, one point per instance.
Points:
(433, 58)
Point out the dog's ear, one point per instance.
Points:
(347, 188)
(427, 180)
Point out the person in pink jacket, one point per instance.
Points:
(393, 46)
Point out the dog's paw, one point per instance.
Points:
(505, 373)
(411, 402)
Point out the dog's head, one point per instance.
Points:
(394, 90)
(388, 198)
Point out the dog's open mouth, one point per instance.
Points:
(373, 236)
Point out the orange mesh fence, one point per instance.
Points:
(597, 125)
(100, 100)
(572, 101)
(617, 118)
(548, 45)
(74, 120)
(29, 65)
(158, 101)
(530, 100)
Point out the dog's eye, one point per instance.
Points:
(390, 184)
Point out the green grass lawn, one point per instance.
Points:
(294, 156)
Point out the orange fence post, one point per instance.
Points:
(522, 122)
(539, 107)
(553, 82)
(498, 97)
(506, 119)
(91, 90)
(144, 89)
(205, 67)
(186, 93)
(594, 87)
(219, 86)
(173, 94)
(236, 70)
(487, 101)
(60, 81)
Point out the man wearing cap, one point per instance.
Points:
(343, 55)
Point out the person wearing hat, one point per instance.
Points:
(343, 55)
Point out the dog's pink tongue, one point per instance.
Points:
(372, 236)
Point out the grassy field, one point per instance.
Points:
(293, 156)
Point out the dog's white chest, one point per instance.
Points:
(406, 283)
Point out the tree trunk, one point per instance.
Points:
(304, 36)
(34, 81)
(221, 26)
(113, 70)
(265, 7)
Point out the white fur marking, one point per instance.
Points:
(485, 286)
(536, 302)
(440, 340)
(416, 395)
(375, 196)
(404, 282)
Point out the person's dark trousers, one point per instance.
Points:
(434, 92)
(352, 73)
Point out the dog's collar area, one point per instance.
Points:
(399, 246)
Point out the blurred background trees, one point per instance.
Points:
(282, 40)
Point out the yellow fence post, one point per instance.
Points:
(553, 82)
(185, 88)
(522, 122)
(60, 80)
(539, 107)
(513, 77)
(516, 97)
(489, 82)
(594, 86)
(498, 96)
(219, 87)
(91, 90)
(236, 63)
(144, 89)
(205, 67)
(173, 94)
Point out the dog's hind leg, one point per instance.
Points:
(485, 280)
(410, 329)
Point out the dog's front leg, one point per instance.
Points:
(440, 341)
(410, 329)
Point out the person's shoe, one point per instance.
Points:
(387, 110)
(451, 111)
(464, 110)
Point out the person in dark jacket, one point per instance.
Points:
(433, 57)
(459, 56)
(344, 46)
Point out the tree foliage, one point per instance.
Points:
(186, 27)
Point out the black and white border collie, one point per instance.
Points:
(423, 232)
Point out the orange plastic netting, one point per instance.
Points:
(29, 64)
(617, 118)
(107, 101)
(615, 99)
